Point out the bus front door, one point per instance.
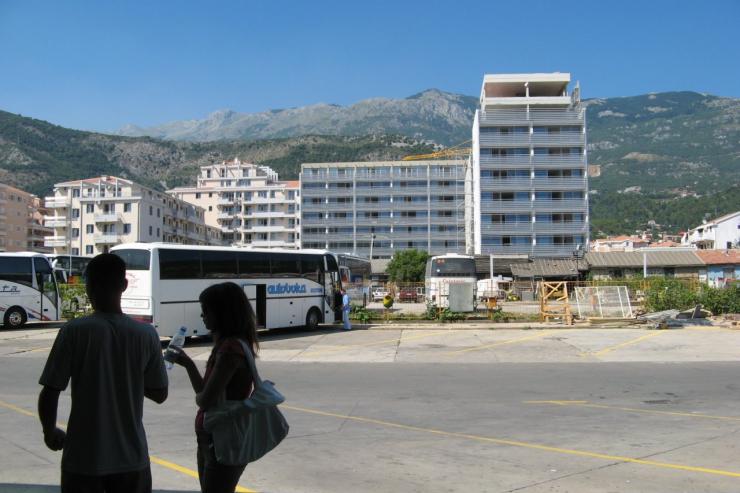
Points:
(257, 296)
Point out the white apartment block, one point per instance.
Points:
(722, 233)
(248, 203)
(21, 221)
(91, 216)
(530, 186)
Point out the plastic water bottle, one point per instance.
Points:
(177, 341)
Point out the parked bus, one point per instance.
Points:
(443, 270)
(73, 265)
(287, 288)
(28, 289)
(355, 274)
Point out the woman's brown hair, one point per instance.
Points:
(231, 313)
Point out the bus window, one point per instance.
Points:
(45, 279)
(16, 269)
(134, 259)
(285, 265)
(179, 264)
(253, 264)
(311, 267)
(219, 265)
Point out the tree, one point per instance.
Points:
(407, 266)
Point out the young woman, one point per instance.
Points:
(229, 316)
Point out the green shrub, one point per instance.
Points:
(669, 294)
(360, 313)
(74, 296)
(447, 315)
(721, 300)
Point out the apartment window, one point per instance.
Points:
(210, 207)
(75, 251)
(262, 195)
(127, 207)
(158, 212)
(89, 249)
(210, 195)
(89, 229)
(126, 228)
(89, 208)
(157, 232)
(150, 230)
(75, 213)
(75, 232)
(151, 210)
(75, 192)
(197, 195)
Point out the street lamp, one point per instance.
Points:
(372, 240)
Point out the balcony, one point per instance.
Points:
(374, 206)
(55, 222)
(517, 139)
(505, 206)
(403, 221)
(513, 162)
(108, 217)
(57, 202)
(225, 215)
(555, 183)
(565, 139)
(562, 251)
(222, 201)
(545, 160)
(273, 214)
(525, 249)
(506, 228)
(506, 184)
(575, 227)
(55, 241)
(107, 238)
(552, 116)
(567, 205)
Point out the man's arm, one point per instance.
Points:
(157, 395)
(48, 402)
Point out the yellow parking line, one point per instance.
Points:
(368, 344)
(624, 344)
(156, 460)
(514, 443)
(635, 410)
(500, 343)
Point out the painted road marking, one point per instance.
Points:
(500, 343)
(395, 340)
(624, 344)
(155, 459)
(514, 443)
(634, 410)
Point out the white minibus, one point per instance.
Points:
(287, 288)
(28, 289)
(443, 270)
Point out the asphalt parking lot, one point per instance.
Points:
(445, 409)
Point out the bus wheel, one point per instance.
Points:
(14, 318)
(312, 319)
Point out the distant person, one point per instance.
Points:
(113, 362)
(346, 307)
(227, 313)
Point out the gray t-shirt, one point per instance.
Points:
(111, 359)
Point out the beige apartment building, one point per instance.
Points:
(21, 221)
(248, 202)
(91, 216)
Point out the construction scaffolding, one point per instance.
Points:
(554, 302)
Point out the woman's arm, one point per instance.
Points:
(223, 369)
(196, 380)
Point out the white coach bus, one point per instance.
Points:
(28, 289)
(287, 288)
(443, 270)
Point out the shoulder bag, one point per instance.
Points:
(245, 430)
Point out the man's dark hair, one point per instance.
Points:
(106, 270)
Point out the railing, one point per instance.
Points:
(505, 184)
(57, 202)
(55, 222)
(110, 217)
(574, 227)
(107, 238)
(512, 161)
(558, 159)
(506, 249)
(506, 228)
(505, 206)
(555, 183)
(55, 241)
(563, 251)
(565, 205)
(559, 139)
(551, 116)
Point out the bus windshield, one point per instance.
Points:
(134, 259)
(453, 267)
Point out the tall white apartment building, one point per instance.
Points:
(248, 203)
(91, 216)
(530, 185)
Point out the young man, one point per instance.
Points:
(113, 363)
(345, 310)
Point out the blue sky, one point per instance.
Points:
(98, 65)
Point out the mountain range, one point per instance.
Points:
(665, 158)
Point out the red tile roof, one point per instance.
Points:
(718, 257)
